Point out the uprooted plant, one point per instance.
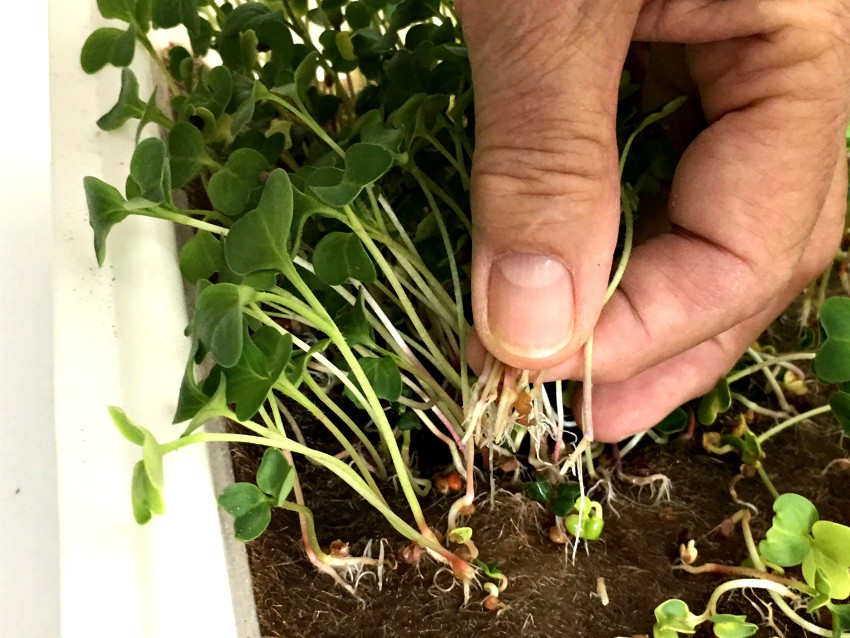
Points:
(327, 159)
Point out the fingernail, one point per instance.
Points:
(530, 304)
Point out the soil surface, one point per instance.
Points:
(549, 594)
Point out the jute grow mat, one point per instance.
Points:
(549, 593)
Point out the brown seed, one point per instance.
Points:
(748, 471)
(441, 485)
(667, 515)
(339, 549)
(643, 469)
(454, 482)
(522, 420)
(727, 528)
(467, 510)
(522, 404)
(464, 553)
(557, 535)
(410, 553)
(510, 465)
(491, 603)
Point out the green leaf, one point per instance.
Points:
(232, 187)
(238, 498)
(186, 153)
(245, 112)
(358, 15)
(214, 407)
(366, 163)
(673, 616)
(383, 376)
(673, 423)
(340, 256)
(840, 619)
(820, 599)
(118, 9)
(150, 170)
(729, 626)
(249, 507)
(202, 256)
(128, 106)
(108, 45)
(329, 186)
(191, 397)
(826, 575)
(787, 542)
(152, 456)
(263, 360)
(832, 360)
(378, 133)
(298, 363)
(170, 13)
(106, 208)
(715, 402)
(490, 570)
(259, 240)
(143, 14)
(129, 430)
(564, 499)
(146, 499)
(275, 475)
(409, 421)
(218, 321)
(831, 555)
(345, 46)
(840, 404)
(540, 490)
(305, 74)
(460, 535)
(353, 324)
(150, 114)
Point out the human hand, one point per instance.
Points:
(756, 209)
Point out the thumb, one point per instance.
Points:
(545, 189)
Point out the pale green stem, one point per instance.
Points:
(766, 480)
(308, 121)
(771, 380)
(159, 212)
(823, 286)
(376, 211)
(767, 362)
(742, 583)
(301, 399)
(442, 363)
(462, 327)
(372, 401)
(628, 239)
(343, 471)
(385, 206)
(426, 183)
(776, 429)
(340, 413)
(451, 159)
(755, 407)
(587, 385)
